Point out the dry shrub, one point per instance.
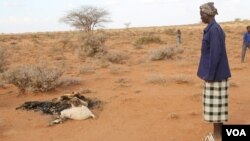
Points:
(116, 57)
(3, 55)
(20, 77)
(93, 45)
(148, 39)
(164, 53)
(44, 78)
(37, 78)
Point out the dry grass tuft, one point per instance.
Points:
(156, 79)
(173, 116)
(116, 57)
(233, 84)
(196, 96)
(69, 81)
(122, 82)
(117, 70)
(87, 70)
(164, 53)
(182, 79)
(148, 39)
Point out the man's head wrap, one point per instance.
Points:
(209, 9)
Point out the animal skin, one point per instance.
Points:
(77, 113)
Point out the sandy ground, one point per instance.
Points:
(135, 109)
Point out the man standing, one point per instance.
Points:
(246, 44)
(178, 37)
(214, 70)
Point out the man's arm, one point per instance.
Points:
(216, 40)
(244, 38)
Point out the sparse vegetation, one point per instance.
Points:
(149, 90)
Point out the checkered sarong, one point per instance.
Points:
(215, 101)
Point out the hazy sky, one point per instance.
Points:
(43, 15)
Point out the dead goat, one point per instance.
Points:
(68, 106)
(75, 113)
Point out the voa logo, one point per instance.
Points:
(236, 132)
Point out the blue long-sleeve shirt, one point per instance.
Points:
(213, 64)
(246, 38)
